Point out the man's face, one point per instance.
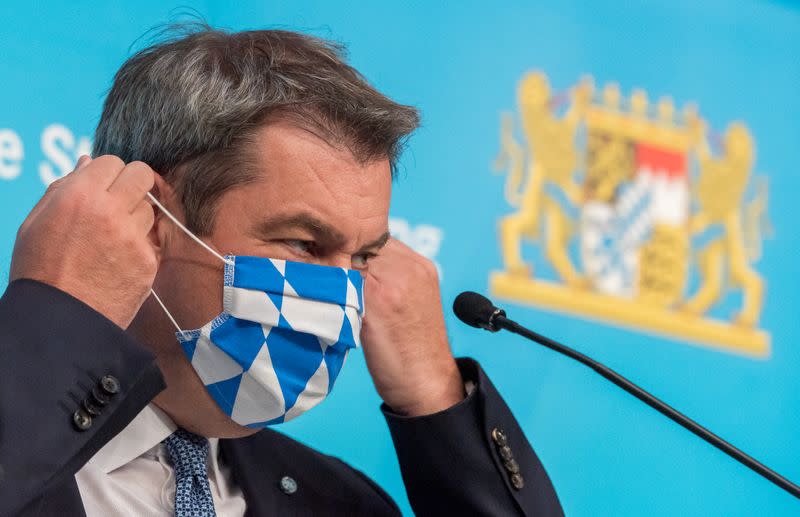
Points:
(311, 203)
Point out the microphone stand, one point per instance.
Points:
(498, 320)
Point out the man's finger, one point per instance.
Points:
(133, 184)
(395, 251)
(398, 246)
(100, 172)
(144, 216)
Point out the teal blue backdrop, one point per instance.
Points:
(460, 62)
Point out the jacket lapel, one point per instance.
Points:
(252, 470)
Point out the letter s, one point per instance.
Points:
(58, 143)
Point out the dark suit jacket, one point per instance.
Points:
(54, 350)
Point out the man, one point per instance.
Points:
(273, 164)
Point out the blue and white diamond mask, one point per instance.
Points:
(281, 340)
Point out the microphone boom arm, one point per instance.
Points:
(498, 320)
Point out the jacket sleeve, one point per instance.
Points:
(471, 459)
(54, 352)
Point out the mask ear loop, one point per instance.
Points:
(164, 308)
(180, 225)
(194, 238)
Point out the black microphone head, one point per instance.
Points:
(476, 310)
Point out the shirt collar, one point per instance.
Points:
(144, 432)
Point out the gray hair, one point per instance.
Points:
(189, 105)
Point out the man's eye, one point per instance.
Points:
(361, 261)
(299, 246)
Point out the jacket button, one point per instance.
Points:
(499, 437)
(288, 485)
(517, 481)
(82, 420)
(110, 384)
(91, 408)
(100, 397)
(512, 466)
(505, 453)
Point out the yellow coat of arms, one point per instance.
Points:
(642, 182)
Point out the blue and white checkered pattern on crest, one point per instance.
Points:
(282, 338)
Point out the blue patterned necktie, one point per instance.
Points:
(188, 453)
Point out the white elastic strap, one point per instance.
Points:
(164, 307)
(186, 231)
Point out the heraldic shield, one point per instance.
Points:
(628, 201)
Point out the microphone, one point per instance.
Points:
(478, 311)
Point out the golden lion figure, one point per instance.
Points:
(720, 191)
(554, 160)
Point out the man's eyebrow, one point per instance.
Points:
(303, 220)
(316, 226)
(378, 243)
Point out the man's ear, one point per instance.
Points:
(165, 194)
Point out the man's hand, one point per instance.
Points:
(88, 236)
(404, 337)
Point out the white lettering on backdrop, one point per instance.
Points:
(61, 151)
(11, 154)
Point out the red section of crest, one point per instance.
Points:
(660, 160)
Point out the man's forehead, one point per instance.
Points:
(286, 144)
(304, 188)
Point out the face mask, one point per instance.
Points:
(281, 340)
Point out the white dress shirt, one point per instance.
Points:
(132, 474)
